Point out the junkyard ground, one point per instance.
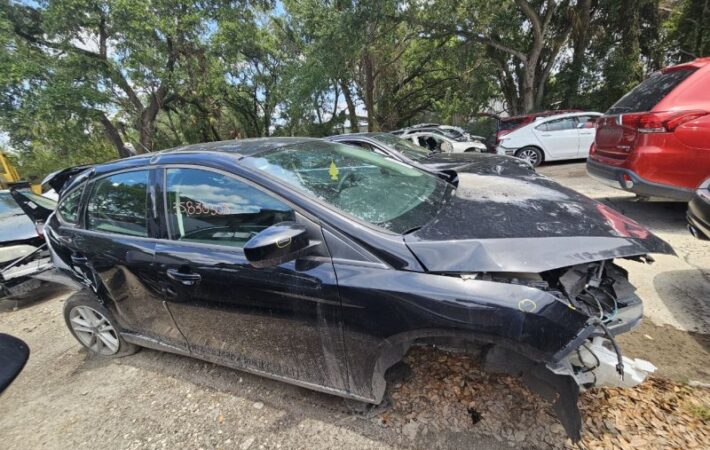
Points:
(66, 399)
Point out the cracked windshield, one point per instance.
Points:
(354, 180)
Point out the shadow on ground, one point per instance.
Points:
(658, 215)
(46, 291)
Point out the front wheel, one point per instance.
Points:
(532, 155)
(94, 326)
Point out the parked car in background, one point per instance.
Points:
(342, 260)
(449, 131)
(506, 125)
(23, 252)
(551, 138)
(437, 142)
(403, 150)
(699, 211)
(462, 134)
(655, 141)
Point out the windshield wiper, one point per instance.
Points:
(412, 230)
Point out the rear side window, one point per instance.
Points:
(212, 208)
(648, 94)
(118, 204)
(568, 123)
(69, 206)
(586, 121)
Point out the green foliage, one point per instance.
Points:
(80, 79)
(689, 30)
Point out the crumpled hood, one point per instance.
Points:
(512, 222)
(483, 163)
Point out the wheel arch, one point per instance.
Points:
(395, 348)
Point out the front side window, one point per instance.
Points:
(377, 190)
(69, 206)
(211, 208)
(119, 204)
(404, 146)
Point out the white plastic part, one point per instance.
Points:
(14, 252)
(604, 360)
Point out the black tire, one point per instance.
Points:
(76, 305)
(533, 155)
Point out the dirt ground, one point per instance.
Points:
(66, 399)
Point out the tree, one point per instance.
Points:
(375, 47)
(524, 39)
(689, 29)
(113, 60)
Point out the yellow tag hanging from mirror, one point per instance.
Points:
(333, 171)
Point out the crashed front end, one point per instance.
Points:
(592, 303)
(603, 293)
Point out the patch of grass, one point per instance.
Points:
(702, 412)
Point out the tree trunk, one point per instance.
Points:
(369, 89)
(581, 41)
(113, 136)
(352, 114)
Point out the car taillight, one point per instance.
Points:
(658, 122)
(500, 134)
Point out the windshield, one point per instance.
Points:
(649, 93)
(8, 207)
(382, 192)
(403, 146)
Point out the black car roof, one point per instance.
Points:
(243, 147)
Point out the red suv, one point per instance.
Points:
(655, 141)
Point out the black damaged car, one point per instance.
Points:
(320, 264)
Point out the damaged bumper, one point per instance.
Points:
(604, 305)
(595, 363)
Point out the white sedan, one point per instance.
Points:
(552, 138)
(438, 143)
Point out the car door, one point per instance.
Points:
(114, 251)
(281, 321)
(559, 138)
(587, 131)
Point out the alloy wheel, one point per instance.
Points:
(530, 156)
(94, 330)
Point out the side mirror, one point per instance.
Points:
(276, 245)
(446, 147)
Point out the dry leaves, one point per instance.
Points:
(450, 392)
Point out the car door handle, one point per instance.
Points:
(545, 135)
(187, 279)
(79, 259)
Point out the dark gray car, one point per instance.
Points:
(402, 150)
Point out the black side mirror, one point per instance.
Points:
(277, 244)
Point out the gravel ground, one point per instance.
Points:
(67, 399)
